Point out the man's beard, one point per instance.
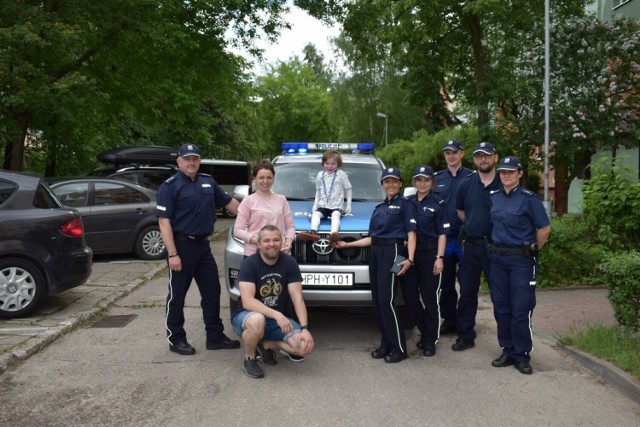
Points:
(486, 168)
(271, 254)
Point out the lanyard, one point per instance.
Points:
(324, 185)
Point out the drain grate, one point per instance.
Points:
(119, 321)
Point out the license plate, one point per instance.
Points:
(327, 279)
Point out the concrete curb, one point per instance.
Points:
(622, 381)
(35, 343)
(611, 374)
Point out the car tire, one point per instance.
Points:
(22, 287)
(149, 244)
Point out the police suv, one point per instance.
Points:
(331, 277)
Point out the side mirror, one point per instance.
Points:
(409, 191)
(241, 191)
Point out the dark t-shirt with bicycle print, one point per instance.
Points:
(270, 280)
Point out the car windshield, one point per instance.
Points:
(297, 181)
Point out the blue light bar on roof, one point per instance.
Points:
(304, 147)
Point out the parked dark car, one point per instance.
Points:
(118, 216)
(42, 245)
(227, 173)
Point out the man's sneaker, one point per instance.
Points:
(293, 357)
(268, 357)
(225, 343)
(252, 368)
(309, 235)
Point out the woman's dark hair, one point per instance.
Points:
(263, 165)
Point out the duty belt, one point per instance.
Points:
(498, 250)
(379, 241)
(428, 246)
(193, 239)
(477, 242)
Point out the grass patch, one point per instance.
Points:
(611, 343)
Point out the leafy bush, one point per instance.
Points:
(612, 206)
(621, 270)
(571, 255)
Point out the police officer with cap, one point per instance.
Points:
(473, 205)
(520, 227)
(447, 182)
(392, 232)
(423, 281)
(186, 209)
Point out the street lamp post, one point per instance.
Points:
(386, 127)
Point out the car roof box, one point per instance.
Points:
(140, 154)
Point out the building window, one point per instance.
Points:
(618, 3)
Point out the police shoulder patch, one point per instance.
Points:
(528, 192)
(206, 174)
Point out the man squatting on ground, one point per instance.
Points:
(265, 279)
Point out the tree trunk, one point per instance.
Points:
(14, 150)
(562, 180)
(480, 75)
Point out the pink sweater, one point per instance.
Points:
(256, 211)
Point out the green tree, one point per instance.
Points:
(85, 66)
(595, 96)
(294, 105)
(366, 88)
(464, 51)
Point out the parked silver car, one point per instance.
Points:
(331, 277)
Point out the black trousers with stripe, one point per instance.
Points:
(384, 288)
(197, 263)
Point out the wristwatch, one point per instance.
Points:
(439, 256)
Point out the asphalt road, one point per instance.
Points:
(124, 375)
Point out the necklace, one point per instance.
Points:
(324, 186)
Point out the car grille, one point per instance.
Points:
(321, 252)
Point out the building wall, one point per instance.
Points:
(606, 9)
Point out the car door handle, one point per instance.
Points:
(141, 211)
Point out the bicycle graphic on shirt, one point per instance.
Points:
(271, 287)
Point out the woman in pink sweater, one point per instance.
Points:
(262, 208)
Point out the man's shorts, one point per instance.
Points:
(272, 331)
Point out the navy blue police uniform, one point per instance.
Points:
(474, 199)
(515, 217)
(191, 207)
(446, 188)
(390, 222)
(419, 281)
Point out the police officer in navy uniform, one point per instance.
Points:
(423, 280)
(392, 232)
(473, 204)
(520, 227)
(447, 182)
(186, 207)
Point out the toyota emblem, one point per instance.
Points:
(322, 247)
